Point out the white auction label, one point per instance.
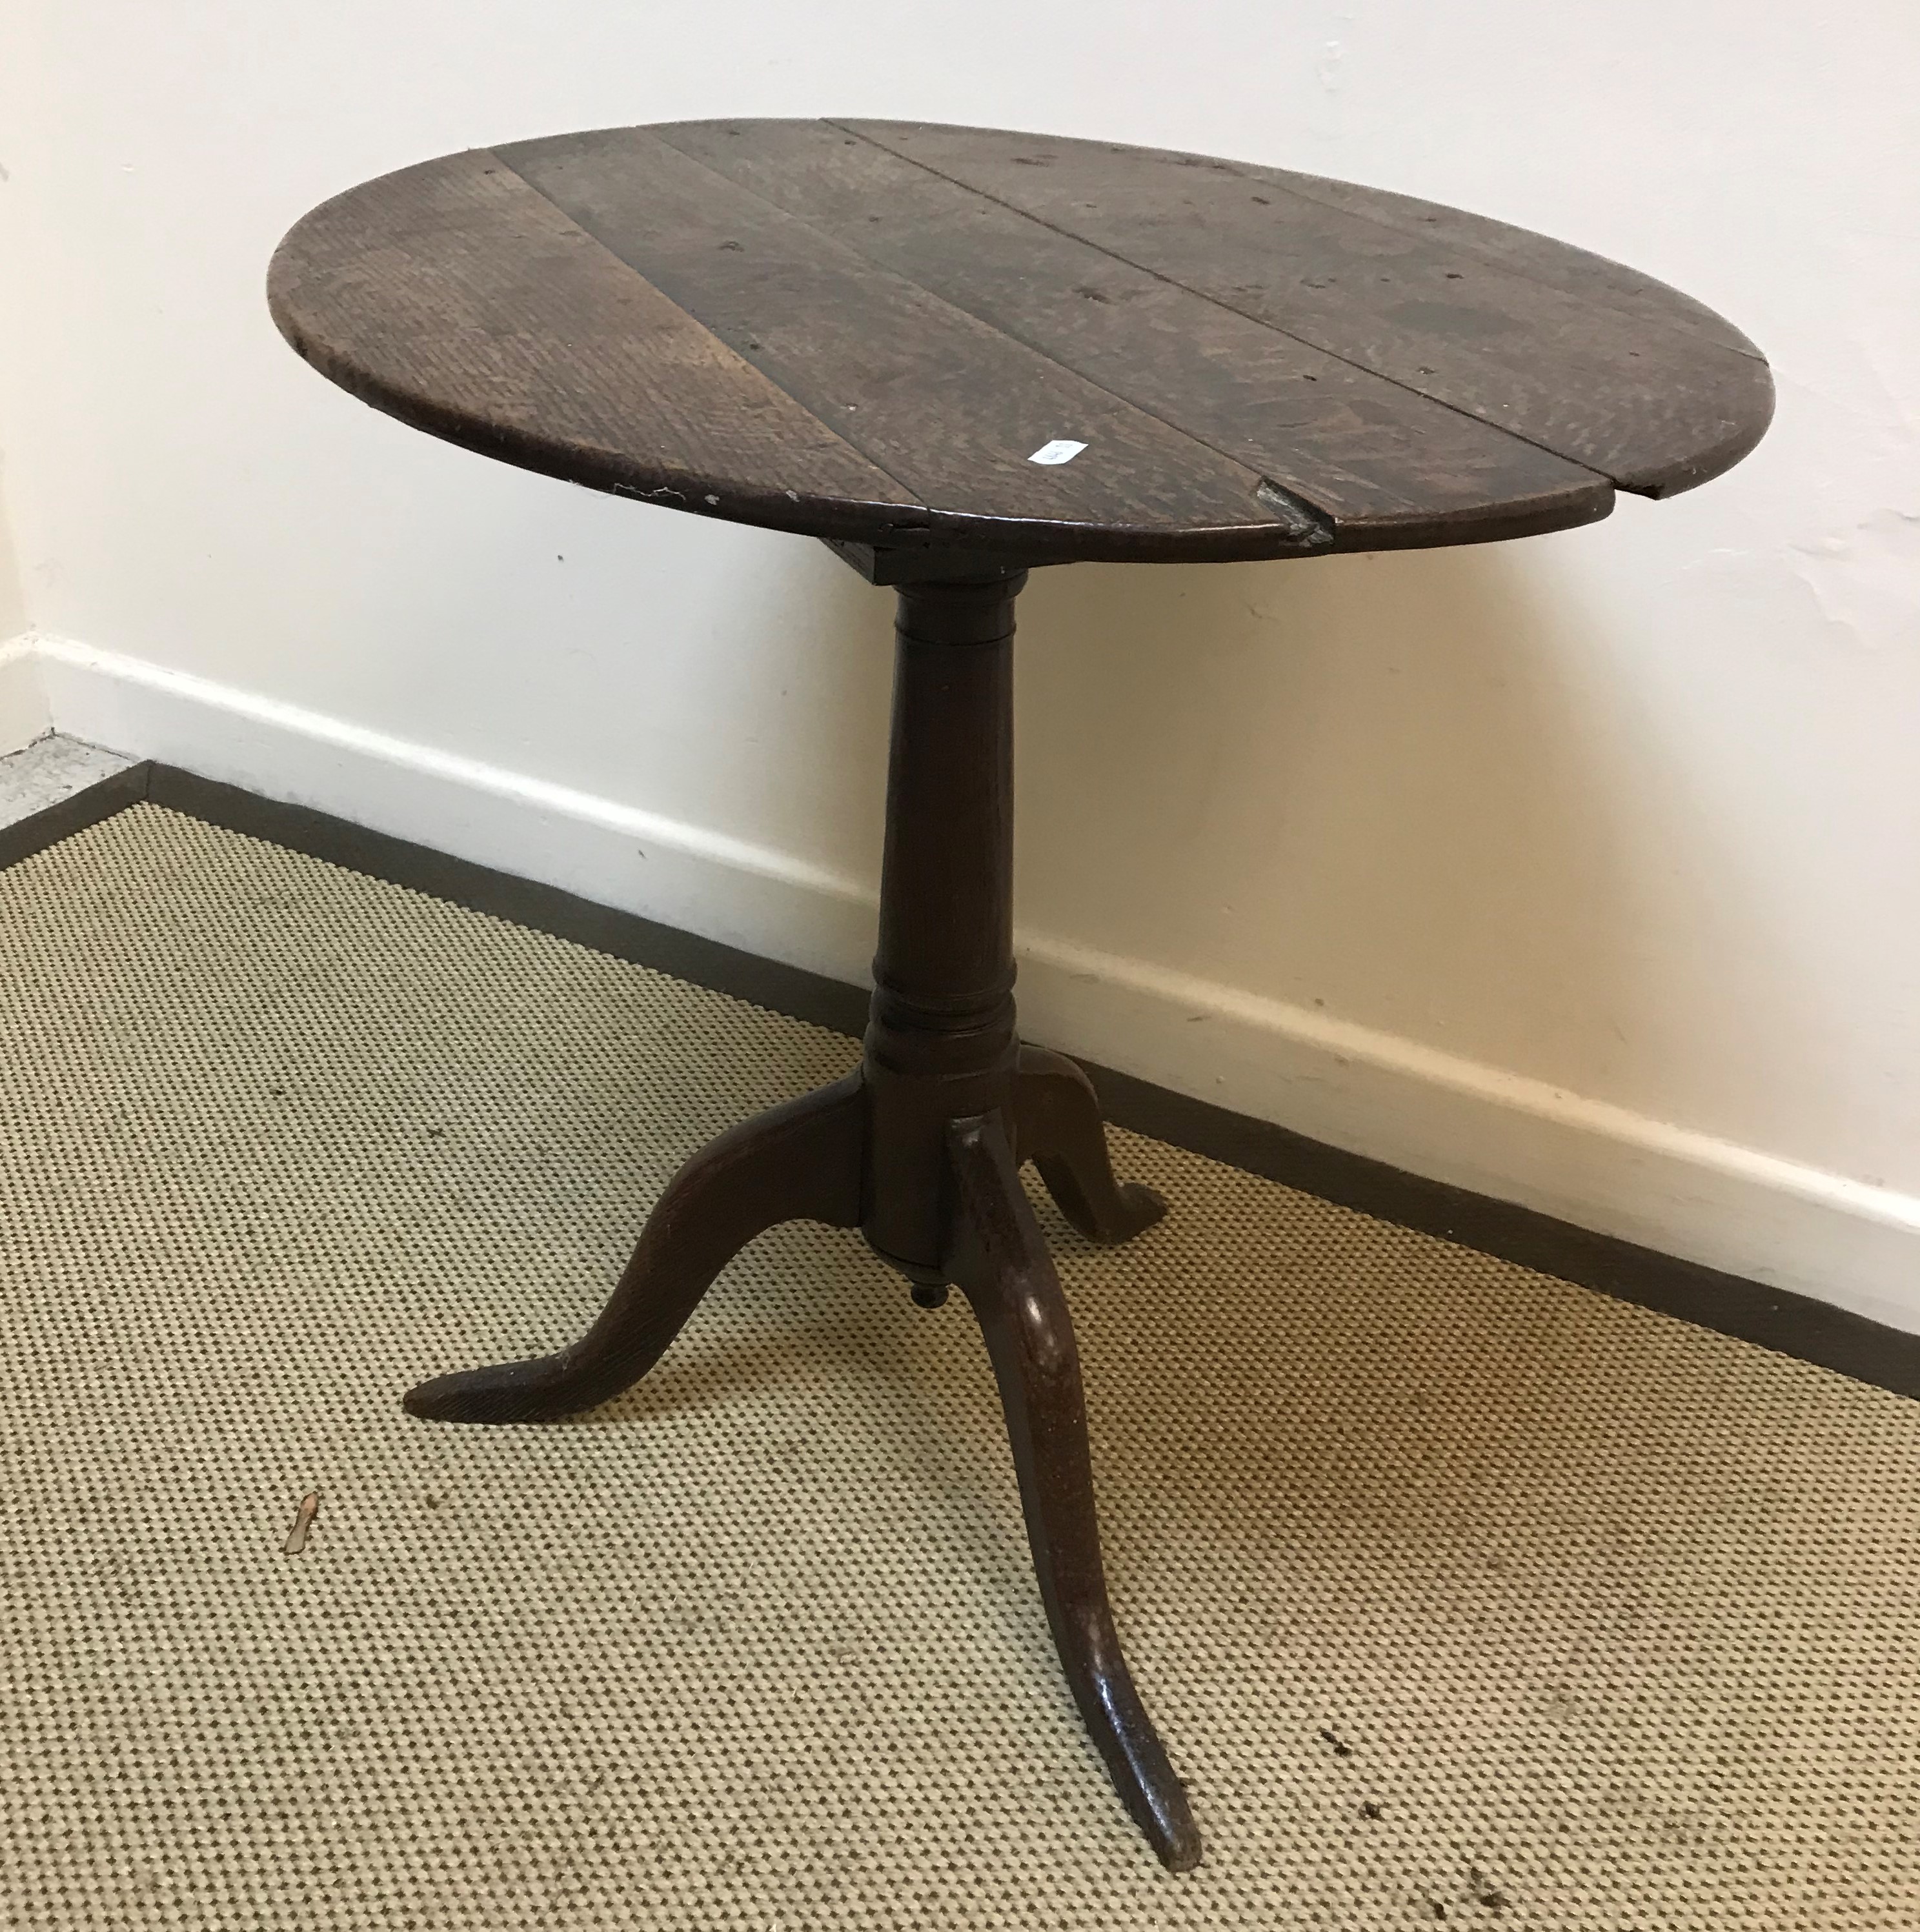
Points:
(1062, 451)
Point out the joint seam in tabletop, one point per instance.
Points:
(655, 482)
(812, 415)
(1309, 470)
(1751, 351)
(1292, 335)
(1326, 524)
(1285, 182)
(1303, 496)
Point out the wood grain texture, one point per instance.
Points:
(1593, 278)
(453, 296)
(863, 332)
(1656, 408)
(951, 405)
(1389, 467)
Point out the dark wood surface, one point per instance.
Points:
(920, 1149)
(862, 331)
(999, 1257)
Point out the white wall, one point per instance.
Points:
(23, 712)
(1585, 870)
(13, 598)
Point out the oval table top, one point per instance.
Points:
(899, 334)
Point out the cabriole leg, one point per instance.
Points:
(798, 1162)
(1000, 1262)
(1056, 1125)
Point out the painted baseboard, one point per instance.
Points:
(1598, 1166)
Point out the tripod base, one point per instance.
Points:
(805, 1161)
(921, 1151)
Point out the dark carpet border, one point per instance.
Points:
(49, 825)
(1774, 1318)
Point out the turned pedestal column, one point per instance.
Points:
(921, 1150)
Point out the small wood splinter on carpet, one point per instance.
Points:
(303, 1521)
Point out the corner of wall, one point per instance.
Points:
(13, 586)
(25, 714)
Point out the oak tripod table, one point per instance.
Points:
(955, 354)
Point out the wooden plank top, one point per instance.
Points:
(867, 331)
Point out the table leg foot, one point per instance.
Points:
(1057, 1125)
(1001, 1263)
(798, 1162)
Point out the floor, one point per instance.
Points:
(1459, 1593)
(50, 770)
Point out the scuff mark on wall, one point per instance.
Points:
(1865, 579)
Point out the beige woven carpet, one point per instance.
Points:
(1459, 1592)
